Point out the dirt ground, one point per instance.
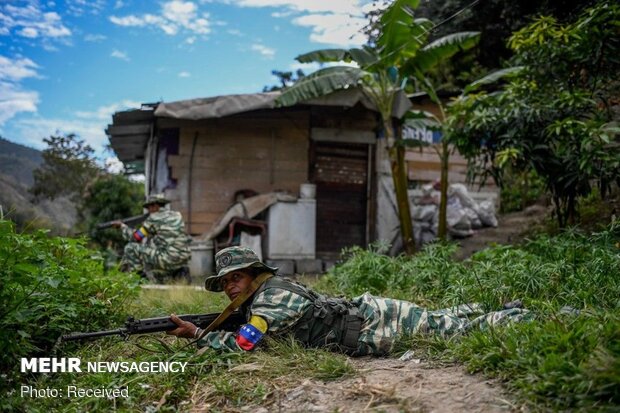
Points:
(391, 385)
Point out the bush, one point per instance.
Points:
(51, 286)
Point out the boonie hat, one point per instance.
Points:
(155, 199)
(232, 259)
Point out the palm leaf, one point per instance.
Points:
(363, 57)
(491, 78)
(441, 49)
(401, 34)
(321, 83)
(421, 119)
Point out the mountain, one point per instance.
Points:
(17, 163)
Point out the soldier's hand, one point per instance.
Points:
(116, 224)
(185, 328)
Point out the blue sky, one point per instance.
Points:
(66, 66)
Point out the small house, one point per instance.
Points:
(204, 153)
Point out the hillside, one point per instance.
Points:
(17, 162)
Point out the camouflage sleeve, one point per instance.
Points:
(134, 235)
(127, 232)
(220, 340)
(273, 310)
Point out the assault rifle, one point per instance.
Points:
(131, 221)
(155, 325)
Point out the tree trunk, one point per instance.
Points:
(443, 203)
(399, 177)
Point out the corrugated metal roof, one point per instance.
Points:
(221, 106)
(130, 130)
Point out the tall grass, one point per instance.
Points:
(214, 381)
(568, 358)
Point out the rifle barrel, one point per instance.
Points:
(82, 336)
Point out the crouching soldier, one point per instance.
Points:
(166, 249)
(365, 325)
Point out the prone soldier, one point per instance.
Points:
(365, 325)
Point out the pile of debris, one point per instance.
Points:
(464, 214)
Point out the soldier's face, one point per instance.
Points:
(152, 208)
(234, 283)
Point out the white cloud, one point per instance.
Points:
(113, 165)
(13, 98)
(29, 32)
(106, 112)
(312, 6)
(89, 126)
(18, 69)
(265, 51)
(332, 22)
(94, 38)
(175, 15)
(234, 32)
(80, 7)
(337, 29)
(308, 68)
(32, 22)
(119, 55)
(185, 74)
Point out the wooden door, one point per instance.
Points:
(340, 172)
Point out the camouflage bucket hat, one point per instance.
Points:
(155, 199)
(232, 259)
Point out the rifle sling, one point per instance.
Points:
(236, 303)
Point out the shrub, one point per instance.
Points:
(51, 286)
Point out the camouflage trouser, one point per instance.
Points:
(140, 257)
(385, 319)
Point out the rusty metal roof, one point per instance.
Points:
(130, 130)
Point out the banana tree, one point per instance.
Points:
(446, 123)
(402, 43)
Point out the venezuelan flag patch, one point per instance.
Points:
(251, 333)
(140, 234)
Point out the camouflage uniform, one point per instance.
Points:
(283, 307)
(167, 246)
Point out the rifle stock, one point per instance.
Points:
(135, 220)
(160, 324)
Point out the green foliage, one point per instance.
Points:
(423, 278)
(563, 362)
(496, 19)
(567, 358)
(520, 189)
(68, 168)
(51, 286)
(110, 197)
(219, 381)
(556, 113)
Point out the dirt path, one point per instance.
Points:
(391, 385)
